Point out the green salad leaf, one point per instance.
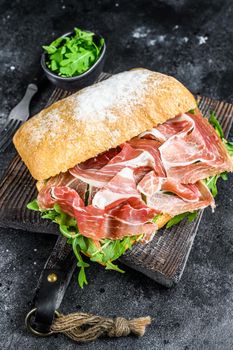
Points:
(214, 122)
(211, 182)
(33, 205)
(191, 111)
(104, 253)
(73, 55)
(178, 218)
(229, 147)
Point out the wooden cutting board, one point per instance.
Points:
(163, 259)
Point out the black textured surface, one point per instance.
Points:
(191, 40)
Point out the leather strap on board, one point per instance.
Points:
(52, 285)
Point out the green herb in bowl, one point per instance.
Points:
(70, 56)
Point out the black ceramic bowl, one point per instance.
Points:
(79, 81)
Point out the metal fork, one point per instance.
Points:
(17, 116)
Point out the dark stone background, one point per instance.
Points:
(191, 40)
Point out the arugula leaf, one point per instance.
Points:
(224, 176)
(57, 209)
(191, 111)
(192, 216)
(52, 48)
(82, 275)
(76, 62)
(211, 183)
(81, 242)
(33, 205)
(156, 218)
(176, 219)
(214, 122)
(74, 55)
(111, 266)
(51, 215)
(229, 147)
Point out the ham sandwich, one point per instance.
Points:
(121, 158)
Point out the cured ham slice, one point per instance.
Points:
(121, 187)
(45, 200)
(127, 157)
(67, 199)
(152, 147)
(92, 190)
(140, 172)
(170, 128)
(173, 205)
(90, 170)
(189, 192)
(151, 184)
(197, 171)
(198, 151)
(128, 218)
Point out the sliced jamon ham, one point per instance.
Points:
(67, 198)
(152, 147)
(91, 172)
(199, 152)
(170, 128)
(197, 171)
(151, 184)
(131, 217)
(189, 192)
(45, 200)
(121, 187)
(127, 157)
(174, 205)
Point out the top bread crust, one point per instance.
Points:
(98, 118)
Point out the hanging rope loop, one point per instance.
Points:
(82, 327)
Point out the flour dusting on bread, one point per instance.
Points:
(123, 90)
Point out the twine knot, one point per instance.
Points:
(120, 328)
(82, 327)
